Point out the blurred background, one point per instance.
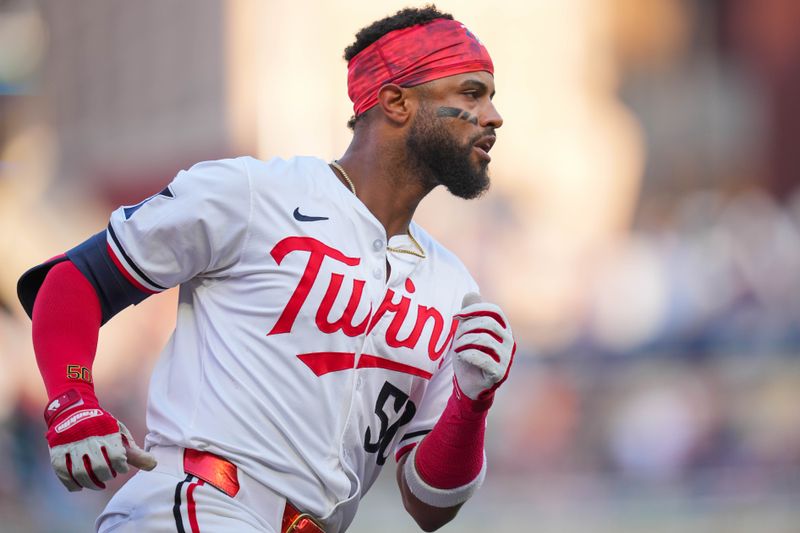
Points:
(642, 232)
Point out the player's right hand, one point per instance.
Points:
(483, 349)
(88, 446)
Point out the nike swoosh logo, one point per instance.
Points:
(305, 218)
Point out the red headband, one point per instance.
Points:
(412, 56)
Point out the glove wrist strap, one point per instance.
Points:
(65, 402)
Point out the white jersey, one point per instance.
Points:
(293, 356)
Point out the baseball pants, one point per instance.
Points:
(169, 499)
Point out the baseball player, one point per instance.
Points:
(319, 329)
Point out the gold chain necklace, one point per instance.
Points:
(421, 253)
(337, 166)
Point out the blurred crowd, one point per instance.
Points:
(718, 273)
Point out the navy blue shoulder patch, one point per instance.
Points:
(167, 192)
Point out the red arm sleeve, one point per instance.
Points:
(451, 455)
(66, 324)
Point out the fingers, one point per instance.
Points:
(82, 471)
(483, 309)
(89, 463)
(497, 341)
(483, 315)
(483, 348)
(491, 370)
(486, 327)
(480, 321)
(483, 330)
(90, 468)
(136, 456)
(493, 334)
(479, 347)
(73, 468)
(485, 335)
(141, 459)
(64, 471)
(471, 298)
(114, 454)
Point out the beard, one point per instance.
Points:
(440, 160)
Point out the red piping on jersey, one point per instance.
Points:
(324, 362)
(125, 273)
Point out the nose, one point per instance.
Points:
(491, 118)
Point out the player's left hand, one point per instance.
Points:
(483, 348)
(88, 445)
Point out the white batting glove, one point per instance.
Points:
(483, 348)
(88, 446)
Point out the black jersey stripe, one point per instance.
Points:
(414, 434)
(176, 508)
(130, 261)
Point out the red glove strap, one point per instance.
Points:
(451, 455)
(66, 324)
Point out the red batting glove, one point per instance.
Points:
(483, 351)
(88, 446)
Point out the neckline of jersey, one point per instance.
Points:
(401, 240)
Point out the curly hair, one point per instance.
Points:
(410, 16)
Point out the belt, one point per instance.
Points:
(296, 522)
(222, 475)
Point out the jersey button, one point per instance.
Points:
(359, 382)
(377, 245)
(377, 273)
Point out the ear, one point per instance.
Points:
(396, 103)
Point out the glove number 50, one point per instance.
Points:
(387, 431)
(79, 373)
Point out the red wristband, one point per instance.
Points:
(451, 455)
